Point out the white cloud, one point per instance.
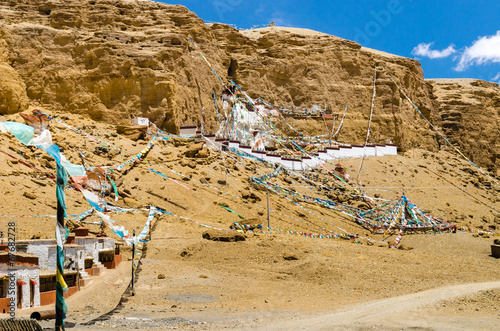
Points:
(482, 51)
(425, 50)
(261, 9)
(496, 79)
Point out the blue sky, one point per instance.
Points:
(451, 38)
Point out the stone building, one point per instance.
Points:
(32, 267)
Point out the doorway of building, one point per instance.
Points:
(19, 296)
(32, 293)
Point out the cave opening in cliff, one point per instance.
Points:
(231, 71)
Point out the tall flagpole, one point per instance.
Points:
(60, 238)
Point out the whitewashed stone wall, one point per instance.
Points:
(188, 131)
(391, 150)
(109, 244)
(27, 274)
(331, 154)
(40, 248)
(52, 253)
(90, 247)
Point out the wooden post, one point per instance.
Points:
(333, 126)
(327, 130)
(202, 121)
(403, 214)
(133, 257)
(59, 290)
(268, 218)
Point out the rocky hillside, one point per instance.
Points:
(116, 59)
(469, 114)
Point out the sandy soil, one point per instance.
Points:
(214, 285)
(404, 312)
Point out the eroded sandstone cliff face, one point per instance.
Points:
(108, 59)
(13, 96)
(293, 66)
(469, 115)
(117, 59)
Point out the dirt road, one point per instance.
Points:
(408, 312)
(405, 312)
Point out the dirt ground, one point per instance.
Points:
(271, 280)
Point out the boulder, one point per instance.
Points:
(13, 97)
(30, 195)
(133, 132)
(203, 153)
(39, 235)
(226, 236)
(193, 149)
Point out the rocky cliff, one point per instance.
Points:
(469, 114)
(117, 59)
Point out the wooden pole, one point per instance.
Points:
(333, 126)
(133, 257)
(59, 290)
(268, 218)
(202, 121)
(326, 126)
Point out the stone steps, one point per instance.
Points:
(85, 278)
(97, 269)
